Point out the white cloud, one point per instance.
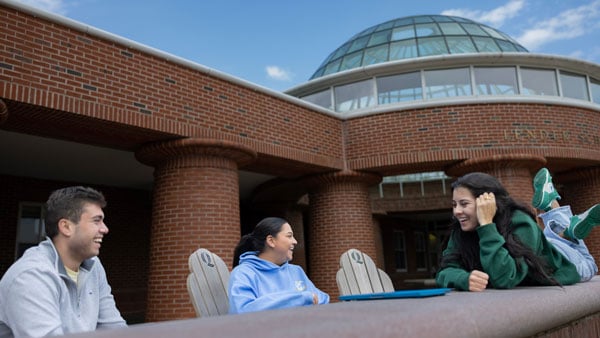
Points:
(278, 73)
(495, 18)
(54, 6)
(569, 24)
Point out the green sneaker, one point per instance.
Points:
(582, 224)
(543, 190)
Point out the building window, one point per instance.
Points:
(355, 96)
(447, 83)
(574, 86)
(30, 229)
(538, 82)
(421, 251)
(322, 99)
(399, 88)
(400, 250)
(595, 86)
(496, 80)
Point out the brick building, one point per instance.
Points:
(360, 156)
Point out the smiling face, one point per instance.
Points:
(464, 208)
(282, 245)
(86, 235)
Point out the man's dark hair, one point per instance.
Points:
(68, 203)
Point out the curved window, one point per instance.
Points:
(496, 80)
(595, 86)
(538, 82)
(447, 83)
(322, 99)
(432, 46)
(355, 96)
(460, 44)
(403, 33)
(573, 86)
(403, 50)
(376, 55)
(399, 88)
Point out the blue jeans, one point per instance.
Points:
(575, 251)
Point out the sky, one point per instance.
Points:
(279, 44)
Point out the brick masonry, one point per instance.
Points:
(60, 82)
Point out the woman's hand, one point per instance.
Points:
(486, 208)
(478, 280)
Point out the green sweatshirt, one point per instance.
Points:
(501, 266)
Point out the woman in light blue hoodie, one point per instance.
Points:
(264, 280)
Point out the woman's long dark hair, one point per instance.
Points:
(467, 242)
(255, 241)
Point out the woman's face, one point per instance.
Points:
(284, 244)
(464, 208)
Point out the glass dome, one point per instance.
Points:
(416, 36)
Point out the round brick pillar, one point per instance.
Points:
(195, 204)
(340, 218)
(581, 189)
(514, 171)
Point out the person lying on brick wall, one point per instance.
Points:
(60, 286)
(496, 242)
(263, 278)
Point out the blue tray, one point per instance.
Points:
(419, 293)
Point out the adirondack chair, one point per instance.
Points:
(359, 275)
(207, 283)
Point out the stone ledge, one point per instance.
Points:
(520, 312)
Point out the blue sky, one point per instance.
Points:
(278, 44)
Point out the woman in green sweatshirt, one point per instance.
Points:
(496, 242)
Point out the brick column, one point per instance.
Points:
(340, 219)
(581, 189)
(196, 204)
(514, 171)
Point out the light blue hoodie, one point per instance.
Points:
(37, 298)
(257, 284)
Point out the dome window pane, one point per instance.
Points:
(403, 50)
(403, 22)
(496, 80)
(341, 51)
(359, 43)
(399, 88)
(354, 96)
(322, 99)
(506, 46)
(432, 46)
(452, 28)
(428, 29)
(385, 25)
(492, 32)
(460, 44)
(441, 18)
(422, 19)
(379, 38)
(447, 83)
(375, 55)
(595, 86)
(351, 61)
(538, 82)
(402, 33)
(474, 29)
(486, 45)
(574, 86)
(333, 67)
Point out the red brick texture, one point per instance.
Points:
(198, 128)
(196, 204)
(340, 219)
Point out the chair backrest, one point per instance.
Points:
(207, 283)
(359, 275)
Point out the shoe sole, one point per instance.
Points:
(538, 194)
(587, 223)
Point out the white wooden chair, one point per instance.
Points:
(359, 275)
(207, 283)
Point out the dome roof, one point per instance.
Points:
(413, 37)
